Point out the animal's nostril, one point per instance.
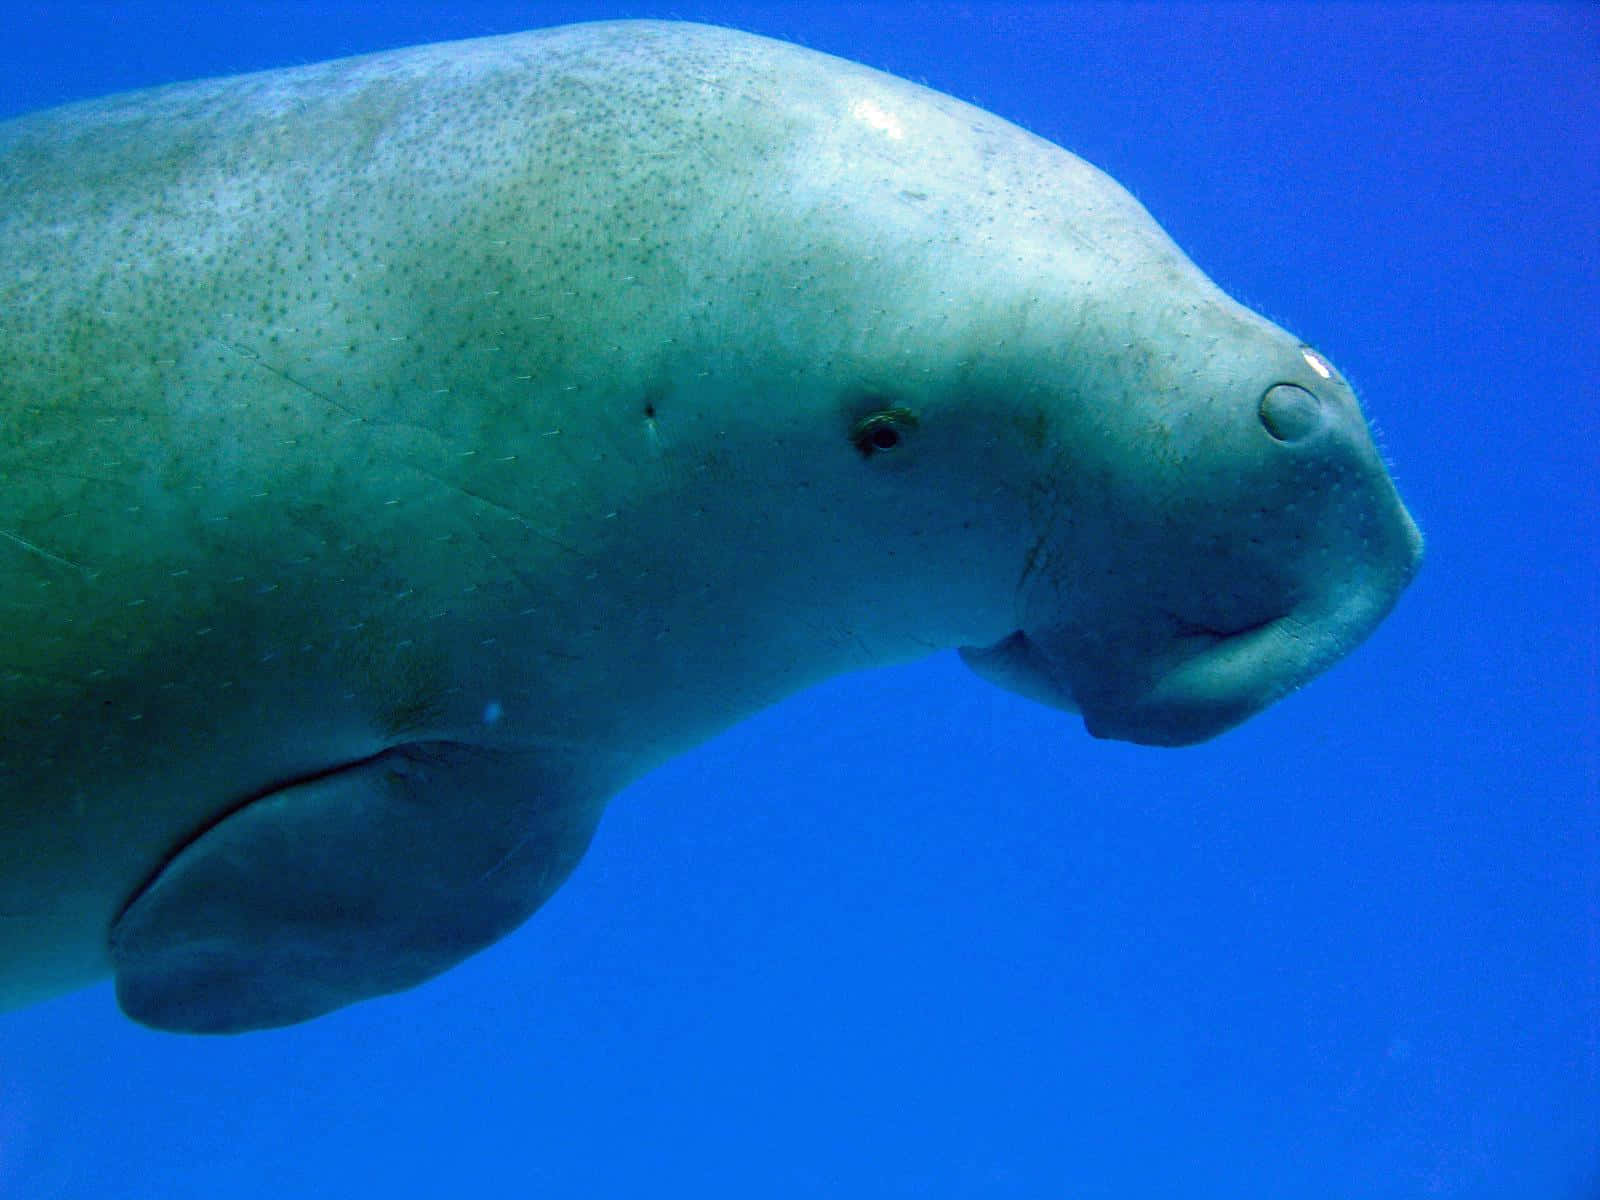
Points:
(1290, 413)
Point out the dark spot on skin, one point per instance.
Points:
(652, 401)
(1034, 428)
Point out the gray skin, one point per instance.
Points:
(402, 454)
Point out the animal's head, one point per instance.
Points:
(1155, 507)
(1134, 500)
(1164, 520)
(1121, 492)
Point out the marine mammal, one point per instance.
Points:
(401, 454)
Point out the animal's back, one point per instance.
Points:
(260, 335)
(314, 383)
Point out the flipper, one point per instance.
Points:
(361, 880)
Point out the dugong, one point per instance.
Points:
(402, 454)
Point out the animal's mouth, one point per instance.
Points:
(1212, 682)
(1201, 682)
(1145, 674)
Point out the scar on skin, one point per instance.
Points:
(42, 552)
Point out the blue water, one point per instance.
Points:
(908, 936)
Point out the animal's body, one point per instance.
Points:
(401, 454)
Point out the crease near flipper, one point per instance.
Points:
(355, 882)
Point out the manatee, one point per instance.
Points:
(402, 454)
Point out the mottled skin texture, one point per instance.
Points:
(401, 454)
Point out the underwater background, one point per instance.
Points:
(906, 935)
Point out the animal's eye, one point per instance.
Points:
(883, 431)
(884, 437)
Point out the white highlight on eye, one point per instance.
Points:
(1316, 362)
(871, 114)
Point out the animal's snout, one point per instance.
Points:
(1279, 547)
